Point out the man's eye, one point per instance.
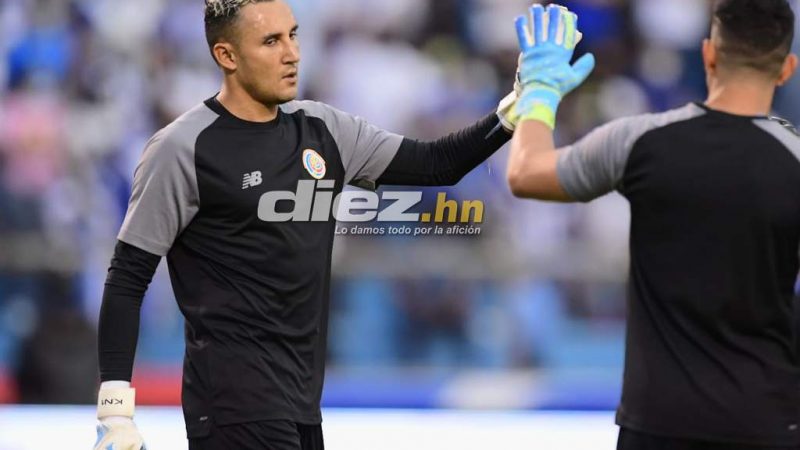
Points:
(270, 42)
(293, 35)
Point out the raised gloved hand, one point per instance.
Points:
(547, 39)
(116, 430)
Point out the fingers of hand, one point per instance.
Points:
(523, 33)
(570, 38)
(556, 24)
(531, 27)
(538, 20)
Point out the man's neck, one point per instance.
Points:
(245, 107)
(741, 98)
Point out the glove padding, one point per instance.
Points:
(547, 39)
(116, 430)
(118, 433)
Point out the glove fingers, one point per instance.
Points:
(538, 30)
(118, 438)
(101, 432)
(555, 26)
(523, 35)
(104, 444)
(570, 30)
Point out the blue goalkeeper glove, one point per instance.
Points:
(547, 39)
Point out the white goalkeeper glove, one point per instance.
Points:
(116, 430)
(506, 110)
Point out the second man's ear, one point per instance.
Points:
(709, 55)
(788, 69)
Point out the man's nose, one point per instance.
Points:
(292, 53)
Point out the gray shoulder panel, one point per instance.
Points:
(366, 150)
(785, 133)
(595, 165)
(165, 197)
(311, 108)
(782, 133)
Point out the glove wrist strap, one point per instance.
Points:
(542, 113)
(539, 102)
(116, 402)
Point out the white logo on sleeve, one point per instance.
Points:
(251, 179)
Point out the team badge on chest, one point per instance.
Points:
(314, 164)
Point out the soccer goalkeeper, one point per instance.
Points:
(714, 191)
(252, 286)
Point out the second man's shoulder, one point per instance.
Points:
(788, 126)
(642, 123)
(625, 131)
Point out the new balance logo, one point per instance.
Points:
(251, 179)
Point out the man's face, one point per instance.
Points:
(268, 51)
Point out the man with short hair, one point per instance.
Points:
(218, 192)
(714, 190)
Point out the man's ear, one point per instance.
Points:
(788, 69)
(709, 56)
(225, 55)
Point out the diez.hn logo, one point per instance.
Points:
(314, 201)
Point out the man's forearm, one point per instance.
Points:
(547, 39)
(532, 164)
(445, 161)
(128, 277)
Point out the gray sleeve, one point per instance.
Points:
(595, 165)
(366, 150)
(784, 132)
(165, 198)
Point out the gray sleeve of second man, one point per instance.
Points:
(164, 197)
(595, 165)
(366, 150)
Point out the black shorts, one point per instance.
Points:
(266, 435)
(634, 440)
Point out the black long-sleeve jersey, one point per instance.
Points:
(242, 212)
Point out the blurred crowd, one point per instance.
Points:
(84, 84)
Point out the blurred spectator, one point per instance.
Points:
(54, 364)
